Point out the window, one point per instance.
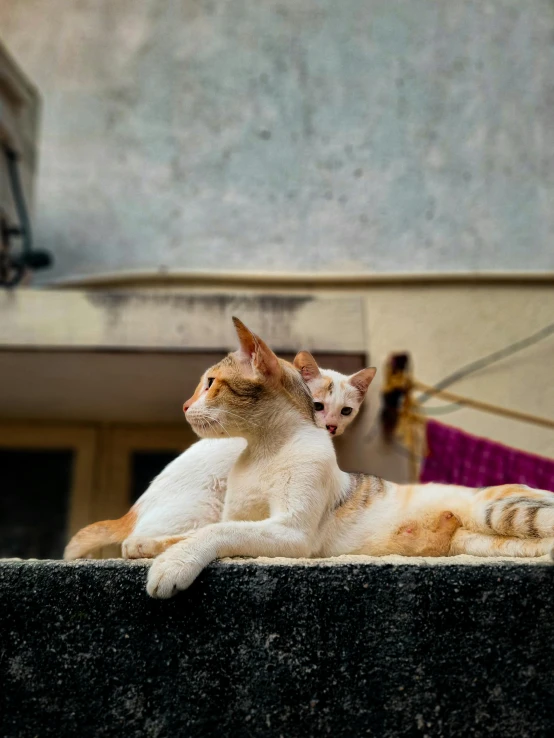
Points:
(46, 483)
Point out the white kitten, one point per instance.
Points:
(337, 398)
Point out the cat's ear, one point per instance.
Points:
(256, 352)
(247, 339)
(362, 379)
(306, 365)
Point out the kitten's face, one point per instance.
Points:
(337, 397)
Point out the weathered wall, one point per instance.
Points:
(292, 135)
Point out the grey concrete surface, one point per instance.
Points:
(345, 649)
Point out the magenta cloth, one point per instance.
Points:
(455, 457)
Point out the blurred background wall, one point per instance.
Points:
(359, 136)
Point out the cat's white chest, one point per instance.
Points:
(247, 495)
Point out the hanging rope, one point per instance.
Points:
(403, 416)
(484, 406)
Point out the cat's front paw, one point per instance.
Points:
(170, 574)
(141, 547)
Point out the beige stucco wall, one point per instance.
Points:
(443, 326)
(447, 327)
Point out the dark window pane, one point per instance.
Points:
(145, 465)
(34, 492)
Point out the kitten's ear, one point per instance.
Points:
(256, 352)
(306, 365)
(362, 379)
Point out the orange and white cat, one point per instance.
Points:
(189, 492)
(286, 495)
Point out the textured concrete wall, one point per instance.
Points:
(269, 651)
(292, 134)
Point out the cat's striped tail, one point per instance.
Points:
(514, 510)
(100, 534)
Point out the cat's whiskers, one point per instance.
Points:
(222, 426)
(210, 418)
(209, 423)
(250, 422)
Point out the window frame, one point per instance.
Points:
(81, 440)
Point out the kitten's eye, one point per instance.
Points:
(346, 411)
(210, 382)
(318, 406)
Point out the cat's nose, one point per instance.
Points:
(332, 429)
(188, 404)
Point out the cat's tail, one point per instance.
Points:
(100, 534)
(515, 510)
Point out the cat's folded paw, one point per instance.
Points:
(169, 574)
(141, 547)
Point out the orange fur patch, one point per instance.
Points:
(426, 536)
(148, 548)
(100, 534)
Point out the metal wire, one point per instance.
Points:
(486, 361)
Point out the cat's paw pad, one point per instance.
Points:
(167, 576)
(140, 548)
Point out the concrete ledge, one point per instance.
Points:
(347, 648)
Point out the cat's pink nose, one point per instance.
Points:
(189, 402)
(332, 429)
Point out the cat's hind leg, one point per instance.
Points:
(481, 544)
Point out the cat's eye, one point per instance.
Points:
(318, 406)
(210, 382)
(346, 411)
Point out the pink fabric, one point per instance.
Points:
(456, 457)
